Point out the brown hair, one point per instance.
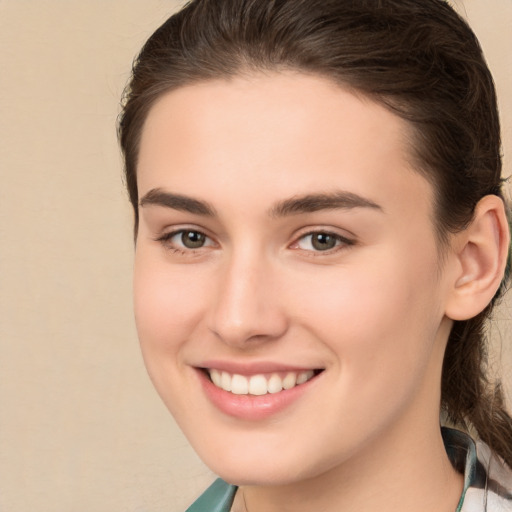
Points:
(419, 59)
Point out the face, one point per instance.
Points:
(288, 293)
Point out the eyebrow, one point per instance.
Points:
(179, 202)
(325, 201)
(308, 203)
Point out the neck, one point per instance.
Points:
(401, 479)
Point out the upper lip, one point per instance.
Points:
(254, 368)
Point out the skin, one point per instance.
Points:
(371, 312)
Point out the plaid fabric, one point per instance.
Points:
(487, 480)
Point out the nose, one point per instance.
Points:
(246, 308)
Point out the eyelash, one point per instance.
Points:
(341, 242)
(166, 241)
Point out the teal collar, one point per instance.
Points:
(461, 450)
(217, 498)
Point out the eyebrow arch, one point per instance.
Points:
(179, 202)
(324, 201)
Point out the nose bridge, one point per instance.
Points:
(246, 304)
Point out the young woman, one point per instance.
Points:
(320, 237)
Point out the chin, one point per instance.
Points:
(264, 466)
(267, 475)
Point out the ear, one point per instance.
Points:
(480, 257)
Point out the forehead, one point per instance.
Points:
(279, 134)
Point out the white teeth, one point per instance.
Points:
(225, 381)
(239, 385)
(275, 384)
(304, 376)
(258, 384)
(216, 378)
(289, 381)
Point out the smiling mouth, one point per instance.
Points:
(259, 384)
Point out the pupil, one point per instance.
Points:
(192, 239)
(323, 241)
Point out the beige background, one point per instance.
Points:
(80, 427)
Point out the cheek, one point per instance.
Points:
(168, 311)
(167, 302)
(379, 317)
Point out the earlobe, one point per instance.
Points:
(481, 258)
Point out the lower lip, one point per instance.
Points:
(252, 407)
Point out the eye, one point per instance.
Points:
(321, 241)
(191, 239)
(186, 239)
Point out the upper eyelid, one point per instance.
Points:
(170, 231)
(348, 237)
(344, 243)
(329, 233)
(168, 235)
(165, 240)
